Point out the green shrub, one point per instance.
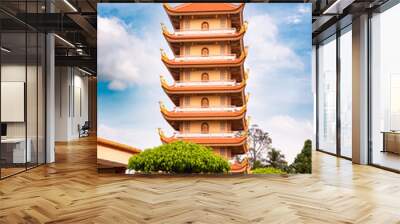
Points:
(257, 164)
(179, 157)
(268, 170)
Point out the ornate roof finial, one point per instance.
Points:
(163, 54)
(163, 81)
(166, 5)
(164, 28)
(247, 97)
(160, 132)
(248, 121)
(246, 75)
(244, 53)
(162, 106)
(243, 28)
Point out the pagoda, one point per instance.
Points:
(209, 78)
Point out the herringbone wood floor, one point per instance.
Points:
(71, 191)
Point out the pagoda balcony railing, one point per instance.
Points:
(206, 83)
(208, 109)
(233, 134)
(205, 58)
(190, 32)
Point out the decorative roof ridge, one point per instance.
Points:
(223, 7)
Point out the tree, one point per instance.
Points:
(302, 162)
(276, 159)
(259, 142)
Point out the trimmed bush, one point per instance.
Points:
(179, 157)
(268, 170)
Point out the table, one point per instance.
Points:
(16, 154)
(391, 141)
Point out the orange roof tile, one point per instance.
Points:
(242, 167)
(169, 89)
(205, 7)
(117, 146)
(209, 141)
(173, 115)
(204, 63)
(209, 38)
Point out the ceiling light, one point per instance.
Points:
(79, 51)
(70, 5)
(64, 40)
(84, 71)
(5, 50)
(337, 7)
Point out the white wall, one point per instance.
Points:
(71, 94)
(16, 73)
(12, 73)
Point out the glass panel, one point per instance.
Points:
(327, 95)
(32, 89)
(13, 89)
(346, 93)
(385, 89)
(23, 90)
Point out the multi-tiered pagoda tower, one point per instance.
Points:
(209, 77)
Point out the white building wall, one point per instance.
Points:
(71, 102)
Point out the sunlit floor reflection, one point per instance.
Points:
(387, 159)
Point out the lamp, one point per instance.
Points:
(70, 5)
(64, 40)
(5, 50)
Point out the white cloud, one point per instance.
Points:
(293, 19)
(267, 53)
(124, 58)
(299, 15)
(288, 134)
(304, 8)
(269, 61)
(139, 137)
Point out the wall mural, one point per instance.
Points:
(205, 88)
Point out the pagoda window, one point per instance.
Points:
(187, 24)
(222, 126)
(204, 52)
(222, 52)
(223, 75)
(204, 128)
(204, 102)
(187, 76)
(223, 23)
(187, 101)
(204, 26)
(187, 50)
(204, 77)
(187, 127)
(223, 100)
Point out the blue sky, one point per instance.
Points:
(129, 66)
